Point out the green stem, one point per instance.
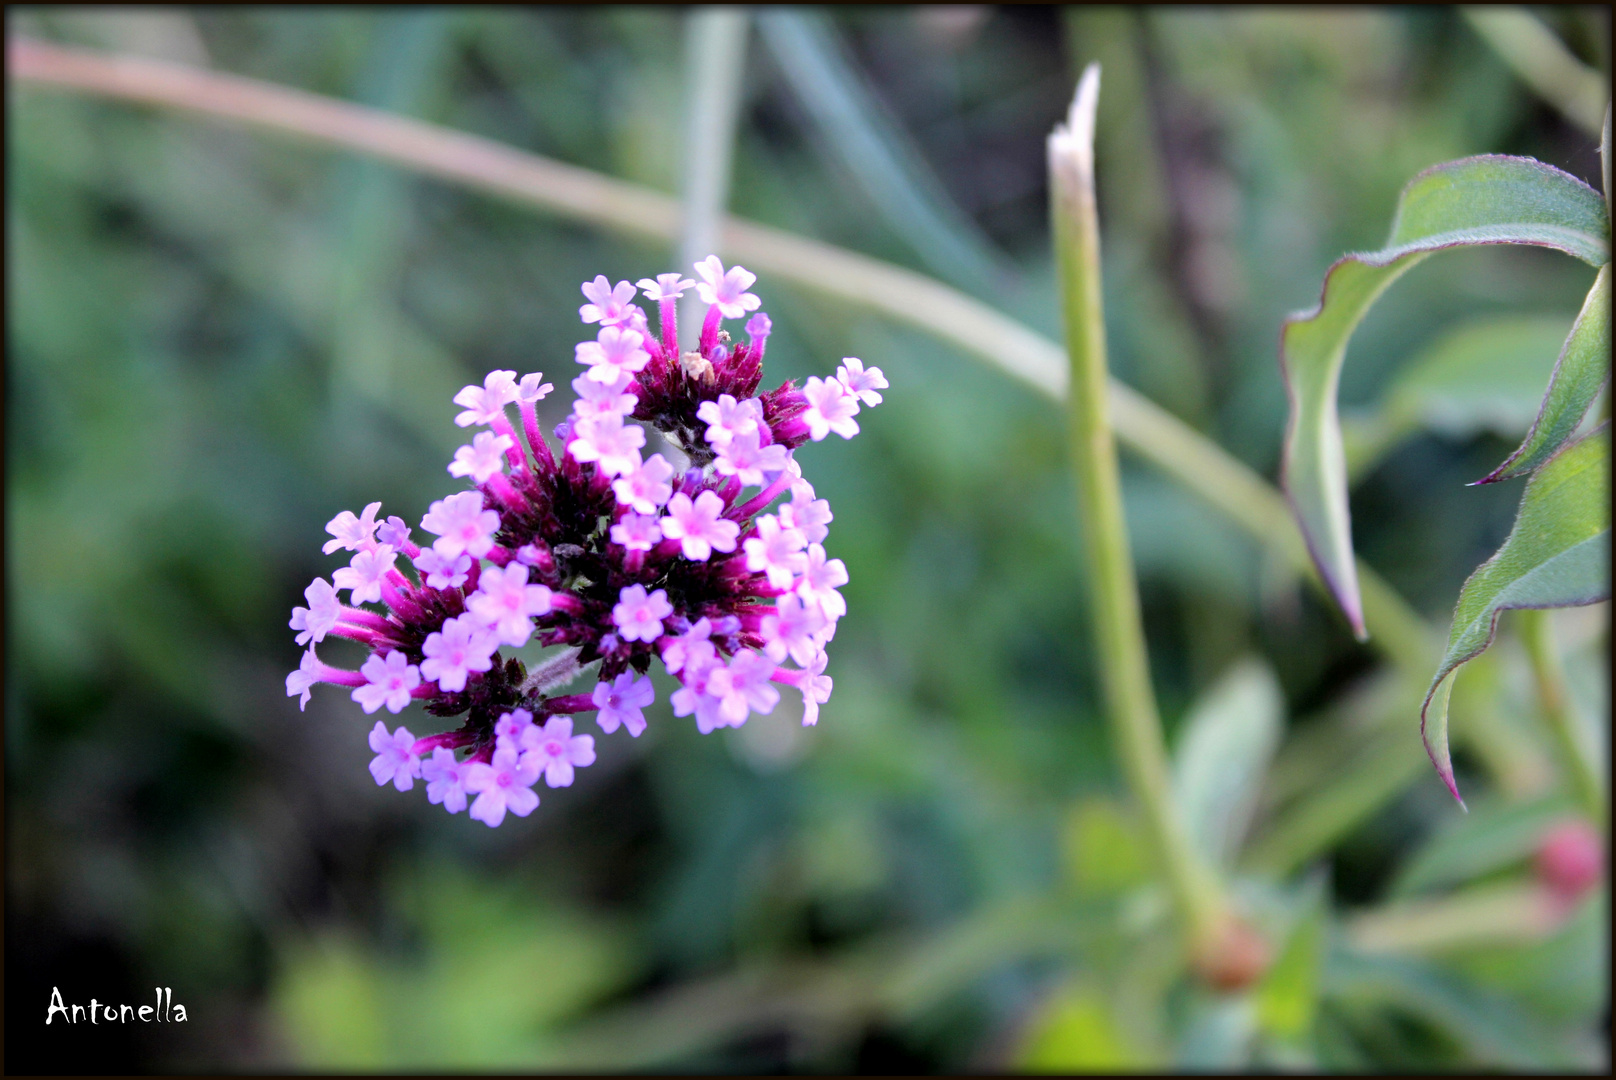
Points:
(1537, 635)
(1118, 632)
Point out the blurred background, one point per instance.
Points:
(218, 338)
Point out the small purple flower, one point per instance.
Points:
(504, 602)
(692, 649)
(613, 445)
(462, 647)
(699, 525)
(726, 290)
(820, 580)
(504, 784)
(483, 458)
(861, 383)
(461, 525)
(393, 760)
(511, 726)
(388, 682)
(726, 418)
(486, 403)
(793, 628)
(396, 533)
(443, 573)
(636, 532)
(445, 778)
(351, 533)
(749, 462)
(758, 328)
(316, 621)
(301, 681)
(815, 687)
(621, 701)
(614, 352)
(638, 617)
(598, 398)
(665, 287)
(830, 408)
(557, 750)
(532, 388)
(776, 551)
(806, 514)
(363, 576)
(608, 304)
(645, 488)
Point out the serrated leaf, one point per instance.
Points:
(1556, 555)
(1223, 753)
(1579, 375)
(1491, 199)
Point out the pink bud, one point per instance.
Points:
(1571, 860)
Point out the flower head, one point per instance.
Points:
(597, 556)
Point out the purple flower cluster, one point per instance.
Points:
(618, 557)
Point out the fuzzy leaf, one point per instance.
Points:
(1579, 375)
(1481, 200)
(1557, 555)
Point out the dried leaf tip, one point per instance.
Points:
(1071, 145)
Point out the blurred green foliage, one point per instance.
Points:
(218, 339)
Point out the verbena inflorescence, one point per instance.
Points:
(619, 558)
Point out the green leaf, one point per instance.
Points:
(1579, 375)
(1489, 839)
(1557, 555)
(1288, 996)
(1483, 375)
(1493, 1030)
(1077, 1032)
(1223, 753)
(1482, 200)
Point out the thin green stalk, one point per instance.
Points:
(1118, 632)
(1195, 462)
(715, 59)
(1543, 62)
(1537, 635)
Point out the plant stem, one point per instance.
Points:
(715, 59)
(1537, 635)
(1118, 632)
(1195, 462)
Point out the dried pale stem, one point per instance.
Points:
(1118, 631)
(715, 44)
(1196, 462)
